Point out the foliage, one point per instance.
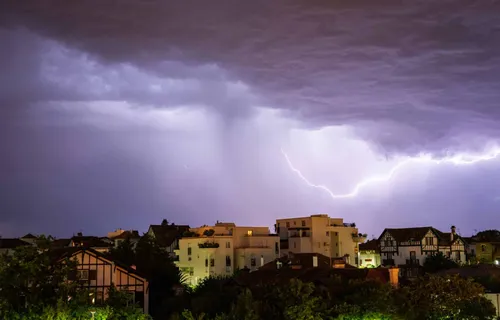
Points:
(209, 232)
(208, 245)
(156, 264)
(438, 262)
(449, 297)
(34, 285)
(488, 236)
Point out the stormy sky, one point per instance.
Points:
(122, 113)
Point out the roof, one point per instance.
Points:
(165, 235)
(91, 241)
(369, 245)
(407, 234)
(69, 252)
(12, 243)
(28, 236)
(60, 243)
(129, 234)
(418, 233)
(320, 274)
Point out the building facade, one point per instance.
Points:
(98, 273)
(411, 246)
(320, 234)
(222, 249)
(369, 254)
(167, 236)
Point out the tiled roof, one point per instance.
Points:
(320, 274)
(132, 234)
(12, 243)
(407, 234)
(166, 235)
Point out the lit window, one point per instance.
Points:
(250, 233)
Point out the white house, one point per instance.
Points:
(411, 246)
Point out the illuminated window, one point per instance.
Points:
(250, 233)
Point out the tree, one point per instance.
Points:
(438, 262)
(488, 235)
(450, 297)
(164, 222)
(124, 252)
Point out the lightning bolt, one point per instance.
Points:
(460, 159)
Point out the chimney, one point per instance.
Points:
(394, 276)
(453, 233)
(133, 267)
(315, 261)
(79, 234)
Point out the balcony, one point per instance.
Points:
(208, 245)
(303, 234)
(412, 262)
(388, 262)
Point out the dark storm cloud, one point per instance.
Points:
(82, 148)
(429, 68)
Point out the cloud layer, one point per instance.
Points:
(119, 111)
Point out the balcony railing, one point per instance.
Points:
(413, 262)
(208, 245)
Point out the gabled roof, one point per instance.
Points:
(70, 252)
(60, 243)
(407, 234)
(28, 236)
(12, 243)
(165, 235)
(129, 234)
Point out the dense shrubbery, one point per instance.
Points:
(429, 298)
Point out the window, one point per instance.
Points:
(228, 261)
(303, 223)
(206, 262)
(413, 255)
(319, 244)
(253, 263)
(228, 244)
(336, 233)
(250, 233)
(483, 248)
(429, 241)
(83, 274)
(328, 233)
(212, 262)
(288, 224)
(189, 251)
(294, 245)
(295, 223)
(276, 248)
(92, 274)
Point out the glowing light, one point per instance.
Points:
(460, 159)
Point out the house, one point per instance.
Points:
(369, 254)
(96, 243)
(411, 246)
(488, 251)
(8, 245)
(29, 238)
(167, 236)
(320, 234)
(120, 235)
(224, 248)
(97, 273)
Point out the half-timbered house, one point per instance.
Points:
(411, 246)
(97, 273)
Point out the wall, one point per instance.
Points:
(495, 299)
(372, 255)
